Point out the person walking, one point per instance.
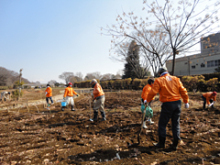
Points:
(144, 95)
(68, 96)
(48, 93)
(171, 90)
(209, 98)
(98, 100)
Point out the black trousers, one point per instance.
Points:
(170, 110)
(204, 102)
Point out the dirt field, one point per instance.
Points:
(57, 137)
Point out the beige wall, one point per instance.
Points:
(191, 65)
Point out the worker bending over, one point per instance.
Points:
(48, 93)
(5, 95)
(209, 97)
(98, 100)
(171, 90)
(144, 95)
(68, 96)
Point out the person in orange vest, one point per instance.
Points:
(48, 93)
(98, 100)
(171, 91)
(209, 98)
(144, 95)
(68, 96)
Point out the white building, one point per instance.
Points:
(205, 62)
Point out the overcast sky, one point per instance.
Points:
(49, 37)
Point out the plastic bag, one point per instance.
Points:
(149, 111)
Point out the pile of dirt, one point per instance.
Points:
(65, 137)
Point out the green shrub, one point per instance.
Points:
(3, 87)
(212, 84)
(136, 83)
(15, 93)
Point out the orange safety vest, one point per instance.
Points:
(170, 89)
(98, 91)
(69, 92)
(145, 91)
(49, 92)
(209, 96)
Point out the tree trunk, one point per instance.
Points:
(174, 57)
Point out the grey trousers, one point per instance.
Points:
(99, 105)
(170, 110)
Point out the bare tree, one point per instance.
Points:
(180, 25)
(66, 76)
(94, 75)
(52, 82)
(79, 76)
(107, 76)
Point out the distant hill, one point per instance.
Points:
(8, 77)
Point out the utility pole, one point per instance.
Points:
(20, 83)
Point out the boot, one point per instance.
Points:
(150, 121)
(144, 125)
(173, 146)
(103, 116)
(161, 143)
(72, 109)
(62, 108)
(95, 116)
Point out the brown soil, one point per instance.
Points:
(57, 137)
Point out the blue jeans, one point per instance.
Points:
(47, 99)
(170, 110)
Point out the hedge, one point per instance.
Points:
(206, 82)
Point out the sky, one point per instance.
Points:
(49, 37)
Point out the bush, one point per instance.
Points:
(212, 84)
(15, 93)
(104, 84)
(3, 87)
(136, 83)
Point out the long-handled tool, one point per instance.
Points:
(136, 144)
(90, 119)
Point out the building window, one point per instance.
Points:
(193, 66)
(202, 65)
(213, 63)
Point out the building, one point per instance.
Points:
(205, 62)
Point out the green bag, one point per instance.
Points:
(149, 111)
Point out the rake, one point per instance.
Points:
(136, 144)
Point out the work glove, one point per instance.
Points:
(64, 98)
(77, 95)
(145, 101)
(210, 105)
(46, 93)
(187, 105)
